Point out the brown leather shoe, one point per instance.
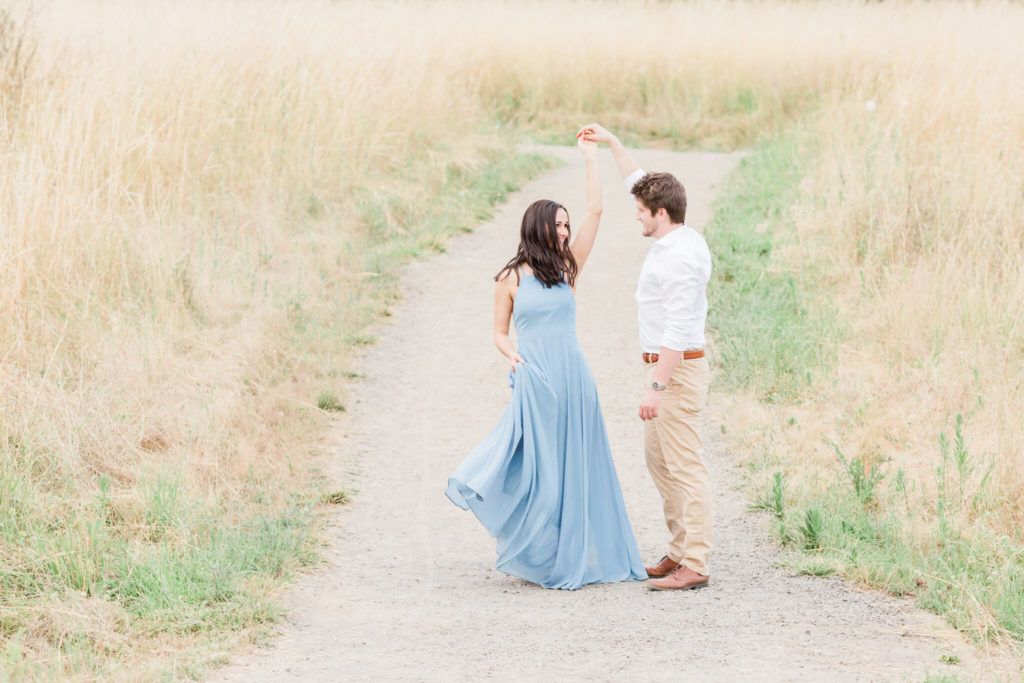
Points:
(681, 578)
(663, 568)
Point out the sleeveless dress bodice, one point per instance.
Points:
(542, 311)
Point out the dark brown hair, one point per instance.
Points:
(551, 261)
(662, 191)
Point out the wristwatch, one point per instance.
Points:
(658, 387)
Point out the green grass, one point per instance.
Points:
(766, 332)
(951, 563)
(865, 520)
(200, 569)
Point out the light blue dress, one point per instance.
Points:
(543, 482)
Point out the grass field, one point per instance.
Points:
(202, 207)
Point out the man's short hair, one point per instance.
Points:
(662, 191)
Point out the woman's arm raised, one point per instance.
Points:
(587, 233)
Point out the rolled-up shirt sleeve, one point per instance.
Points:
(681, 287)
(630, 180)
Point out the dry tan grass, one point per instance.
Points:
(182, 182)
(158, 213)
(916, 219)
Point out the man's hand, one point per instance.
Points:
(587, 147)
(595, 132)
(649, 405)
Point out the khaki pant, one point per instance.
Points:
(675, 459)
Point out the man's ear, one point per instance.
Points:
(662, 213)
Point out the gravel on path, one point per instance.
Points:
(409, 590)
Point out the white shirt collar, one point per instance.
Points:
(671, 238)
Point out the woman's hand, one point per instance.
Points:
(594, 132)
(587, 147)
(516, 360)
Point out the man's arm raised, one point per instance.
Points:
(595, 132)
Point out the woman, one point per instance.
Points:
(543, 482)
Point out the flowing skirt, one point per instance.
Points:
(543, 482)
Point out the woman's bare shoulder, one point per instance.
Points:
(508, 282)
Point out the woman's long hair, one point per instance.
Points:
(552, 262)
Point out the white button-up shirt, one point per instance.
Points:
(671, 296)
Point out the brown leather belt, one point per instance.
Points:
(687, 355)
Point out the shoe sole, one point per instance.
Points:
(694, 587)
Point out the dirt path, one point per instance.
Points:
(410, 591)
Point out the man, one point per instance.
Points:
(672, 310)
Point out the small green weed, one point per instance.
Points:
(334, 498)
(813, 565)
(813, 528)
(328, 401)
(862, 480)
(773, 499)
